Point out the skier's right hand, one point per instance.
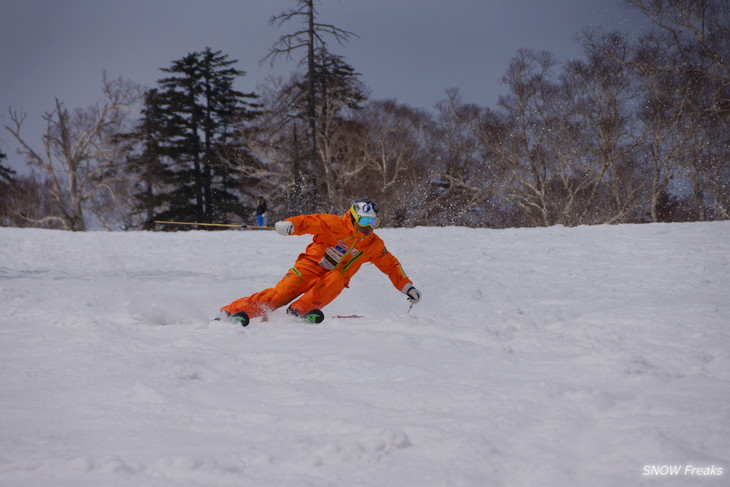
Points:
(284, 227)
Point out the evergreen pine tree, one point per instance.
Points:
(148, 164)
(6, 190)
(6, 174)
(188, 132)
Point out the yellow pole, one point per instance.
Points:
(253, 227)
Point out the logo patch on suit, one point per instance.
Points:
(333, 255)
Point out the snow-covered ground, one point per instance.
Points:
(556, 357)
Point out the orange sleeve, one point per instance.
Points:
(389, 265)
(314, 223)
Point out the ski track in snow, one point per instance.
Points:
(536, 357)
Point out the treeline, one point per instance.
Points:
(637, 130)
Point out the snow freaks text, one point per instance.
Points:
(682, 471)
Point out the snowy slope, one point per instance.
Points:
(546, 357)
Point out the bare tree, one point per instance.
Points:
(695, 27)
(80, 157)
(664, 102)
(519, 140)
(605, 98)
(340, 149)
(464, 190)
(693, 42)
(311, 38)
(274, 140)
(393, 158)
(28, 202)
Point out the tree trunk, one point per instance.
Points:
(312, 197)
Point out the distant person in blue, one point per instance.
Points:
(261, 212)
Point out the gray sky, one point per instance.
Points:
(411, 50)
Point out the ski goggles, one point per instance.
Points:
(364, 220)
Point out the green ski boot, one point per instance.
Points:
(238, 318)
(314, 316)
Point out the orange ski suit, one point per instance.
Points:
(325, 268)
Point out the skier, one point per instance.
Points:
(341, 245)
(261, 210)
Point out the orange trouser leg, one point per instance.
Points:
(322, 293)
(288, 288)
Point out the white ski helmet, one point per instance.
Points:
(365, 212)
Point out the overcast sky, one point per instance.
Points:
(411, 50)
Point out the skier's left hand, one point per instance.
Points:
(414, 295)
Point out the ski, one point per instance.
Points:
(315, 316)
